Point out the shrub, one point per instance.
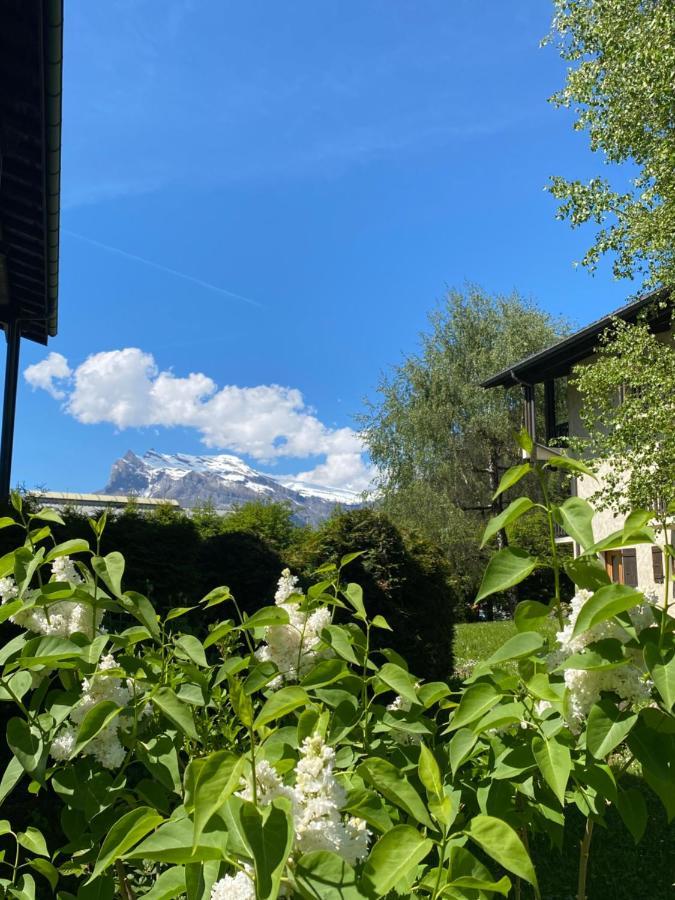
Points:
(404, 578)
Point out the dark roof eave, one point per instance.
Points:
(560, 357)
(53, 62)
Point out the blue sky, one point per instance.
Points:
(318, 172)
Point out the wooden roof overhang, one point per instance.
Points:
(560, 359)
(31, 50)
(31, 41)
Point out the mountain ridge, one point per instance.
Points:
(224, 480)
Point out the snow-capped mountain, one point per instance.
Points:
(224, 480)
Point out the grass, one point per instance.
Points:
(619, 870)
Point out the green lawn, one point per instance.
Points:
(619, 869)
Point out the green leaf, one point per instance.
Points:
(569, 464)
(47, 870)
(349, 557)
(507, 568)
(264, 617)
(175, 613)
(661, 667)
(32, 839)
(193, 649)
(587, 573)
(460, 747)
(609, 601)
(520, 645)
(393, 784)
(353, 593)
(6, 521)
(619, 539)
(429, 772)
(633, 810)
(142, 610)
(126, 832)
(512, 513)
(525, 440)
(340, 640)
(476, 700)
(529, 614)
(555, 764)
(176, 711)
(502, 843)
(381, 622)
(217, 778)
(172, 843)
(110, 569)
(10, 778)
(169, 885)
(576, 517)
(322, 875)
(95, 720)
(607, 727)
(510, 477)
(47, 515)
(280, 704)
(25, 743)
(503, 886)
(218, 633)
(68, 548)
(216, 596)
(394, 856)
(241, 702)
(398, 680)
(326, 671)
(269, 837)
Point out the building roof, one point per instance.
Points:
(31, 41)
(65, 499)
(560, 358)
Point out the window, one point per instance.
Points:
(621, 566)
(657, 564)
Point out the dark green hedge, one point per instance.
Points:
(404, 578)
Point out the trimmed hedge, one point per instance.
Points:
(404, 578)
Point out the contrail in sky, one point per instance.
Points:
(155, 265)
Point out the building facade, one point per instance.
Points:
(552, 413)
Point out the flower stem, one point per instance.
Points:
(584, 853)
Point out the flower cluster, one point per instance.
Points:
(295, 647)
(61, 618)
(316, 800)
(106, 746)
(585, 686)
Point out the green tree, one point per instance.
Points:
(628, 412)
(621, 86)
(441, 440)
(273, 522)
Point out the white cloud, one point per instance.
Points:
(127, 389)
(44, 374)
(346, 470)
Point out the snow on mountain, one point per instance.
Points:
(223, 480)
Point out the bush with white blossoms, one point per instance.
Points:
(280, 755)
(294, 646)
(629, 679)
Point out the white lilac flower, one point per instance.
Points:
(234, 887)
(62, 618)
(296, 646)
(401, 704)
(585, 686)
(318, 800)
(268, 784)
(63, 744)
(106, 746)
